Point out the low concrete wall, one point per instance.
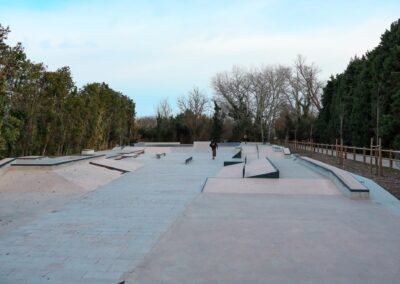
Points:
(340, 184)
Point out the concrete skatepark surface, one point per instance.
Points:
(167, 222)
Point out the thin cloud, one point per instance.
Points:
(150, 51)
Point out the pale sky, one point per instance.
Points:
(152, 50)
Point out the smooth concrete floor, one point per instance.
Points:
(298, 229)
(105, 233)
(154, 225)
(231, 238)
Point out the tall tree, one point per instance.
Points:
(42, 112)
(217, 123)
(193, 108)
(365, 96)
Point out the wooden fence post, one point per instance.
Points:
(341, 152)
(364, 155)
(380, 157)
(377, 157)
(370, 155)
(336, 148)
(391, 159)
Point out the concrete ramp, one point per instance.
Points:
(262, 168)
(231, 171)
(123, 166)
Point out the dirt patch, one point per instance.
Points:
(390, 179)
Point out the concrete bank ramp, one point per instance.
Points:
(261, 168)
(231, 171)
(117, 165)
(26, 194)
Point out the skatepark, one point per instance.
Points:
(169, 213)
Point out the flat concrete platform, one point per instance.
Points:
(271, 186)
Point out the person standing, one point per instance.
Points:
(214, 147)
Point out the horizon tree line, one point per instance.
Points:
(43, 112)
(245, 102)
(292, 102)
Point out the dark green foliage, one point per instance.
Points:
(217, 124)
(366, 97)
(43, 113)
(172, 129)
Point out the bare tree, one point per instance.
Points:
(304, 93)
(311, 85)
(233, 92)
(194, 108)
(163, 109)
(256, 97)
(268, 88)
(197, 102)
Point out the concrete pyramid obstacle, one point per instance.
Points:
(262, 168)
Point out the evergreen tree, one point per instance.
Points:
(43, 113)
(217, 123)
(364, 100)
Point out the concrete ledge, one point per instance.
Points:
(5, 165)
(349, 186)
(55, 162)
(158, 156)
(31, 157)
(286, 152)
(6, 161)
(277, 148)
